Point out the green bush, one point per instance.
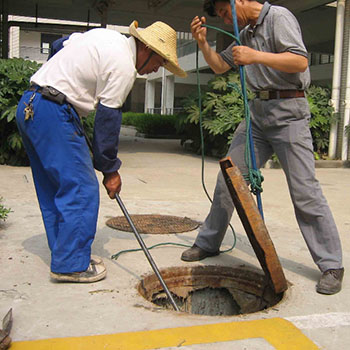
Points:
(88, 125)
(151, 124)
(156, 125)
(3, 211)
(223, 110)
(14, 80)
(322, 116)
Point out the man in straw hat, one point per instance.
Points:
(93, 70)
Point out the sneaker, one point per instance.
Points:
(330, 281)
(195, 254)
(95, 272)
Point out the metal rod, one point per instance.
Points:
(147, 253)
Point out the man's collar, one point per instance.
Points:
(264, 11)
(132, 44)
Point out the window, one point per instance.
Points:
(319, 58)
(46, 42)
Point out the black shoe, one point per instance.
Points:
(195, 254)
(330, 281)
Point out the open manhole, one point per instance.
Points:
(211, 290)
(154, 224)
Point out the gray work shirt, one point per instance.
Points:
(276, 31)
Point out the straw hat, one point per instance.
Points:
(160, 38)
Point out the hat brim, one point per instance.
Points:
(171, 66)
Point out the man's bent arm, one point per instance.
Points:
(199, 33)
(287, 62)
(215, 61)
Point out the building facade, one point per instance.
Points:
(161, 92)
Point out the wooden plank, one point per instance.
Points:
(253, 225)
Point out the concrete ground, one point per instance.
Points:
(159, 177)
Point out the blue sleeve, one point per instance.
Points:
(106, 138)
(57, 45)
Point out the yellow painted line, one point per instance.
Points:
(280, 333)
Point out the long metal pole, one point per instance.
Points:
(147, 253)
(139, 239)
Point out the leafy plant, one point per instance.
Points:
(155, 125)
(322, 115)
(88, 124)
(3, 211)
(151, 124)
(14, 80)
(222, 111)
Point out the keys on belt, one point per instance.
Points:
(48, 92)
(29, 109)
(277, 94)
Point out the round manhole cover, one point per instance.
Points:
(211, 290)
(154, 224)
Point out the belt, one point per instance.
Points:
(275, 94)
(50, 93)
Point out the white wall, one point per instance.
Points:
(30, 46)
(14, 40)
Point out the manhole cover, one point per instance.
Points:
(211, 290)
(154, 224)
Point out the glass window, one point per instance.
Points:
(46, 42)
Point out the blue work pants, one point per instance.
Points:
(64, 178)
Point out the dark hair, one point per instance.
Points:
(209, 6)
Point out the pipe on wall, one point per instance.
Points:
(346, 51)
(337, 66)
(4, 29)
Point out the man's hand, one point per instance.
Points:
(243, 55)
(215, 61)
(287, 62)
(198, 32)
(113, 183)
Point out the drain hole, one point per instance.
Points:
(212, 290)
(207, 301)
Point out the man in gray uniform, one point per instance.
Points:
(277, 71)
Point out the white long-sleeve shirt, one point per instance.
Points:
(95, 66)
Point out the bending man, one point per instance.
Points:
(93, 70)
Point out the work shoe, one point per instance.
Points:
(330, 281)
(195, 254)
(95, 272)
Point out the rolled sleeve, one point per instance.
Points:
(287, 33)
(227, 55)
(106, 138)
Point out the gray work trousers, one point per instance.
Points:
(280, 126)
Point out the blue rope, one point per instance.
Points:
(254, 175)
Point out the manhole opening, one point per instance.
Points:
(154, 224)
(212, 290)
